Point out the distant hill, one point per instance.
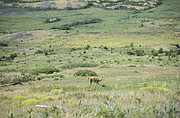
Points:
(81, 4)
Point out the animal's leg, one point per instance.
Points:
(90, 81)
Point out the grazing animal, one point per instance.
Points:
(95, 80)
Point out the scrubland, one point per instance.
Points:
(137, 53)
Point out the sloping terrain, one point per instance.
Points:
(79, 4)
(126, 4)
(26, 36)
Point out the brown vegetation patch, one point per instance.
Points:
(77, 4)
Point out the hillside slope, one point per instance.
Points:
(80, 4)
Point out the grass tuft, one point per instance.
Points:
(151, 89)
(18, 98)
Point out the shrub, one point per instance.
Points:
(62, 76)
(41, 96)
(30, 102)
(39, 52)
(87, 47)
(12, 56)
(52, 20)
(27, 78)
(56, 91)
(130, 53)
(47, 70)
(131, 44)
(87, 21)
(160, 50)
(17, 103)
(18, 98)
(160, 59)
(140, 52)
(59, 78)
(49, 98)
(3, 44)
(85, 73)
(155, 54)
(177, 52)
(132, 66)
(5, 102)
(136, 71)
(106, 48)
(56, 78)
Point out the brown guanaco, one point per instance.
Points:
(95, 80)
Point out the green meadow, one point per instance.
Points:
(53, 52)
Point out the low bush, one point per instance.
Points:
(49, 98)
(160, 50)
(42, 96)
(3, 44)
(85, 73)
(52, 20)
(132, 66)
(30, 102)
(130, 53)
(47, 70)
(12, 56)
(69, 25)
(87, 47)
(5, 102)
(39, 52)
(56, 91)
(62, 76)
(56, 78)
(140, 52)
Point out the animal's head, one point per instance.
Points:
(102, 77)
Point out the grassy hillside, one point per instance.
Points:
(156, 26)
(137, 52)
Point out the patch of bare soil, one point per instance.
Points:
(27, 36)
